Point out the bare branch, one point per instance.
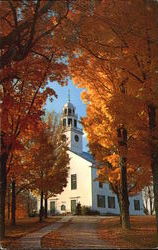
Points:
(40, 54)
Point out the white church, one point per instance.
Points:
(82, 187)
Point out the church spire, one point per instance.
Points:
(69, 122)
(68, 95)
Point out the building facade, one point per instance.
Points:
(82, 187)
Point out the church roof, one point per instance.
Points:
(85, 155)
(69, 105)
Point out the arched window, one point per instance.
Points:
(65, 111)
(69, 122)
(64, 122)
(63, 207)
(69, 111)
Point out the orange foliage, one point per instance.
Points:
(32, 52)
(46, 162)
(117, 68)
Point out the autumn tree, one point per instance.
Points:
(122, 52)
(49, 162)
(103, 144)
(33, 49)
(22, 102)
(138, 176)
(25, 43)
(31, 41)
(18, 168)
(106, 114)
(21, 112)
(27, 26)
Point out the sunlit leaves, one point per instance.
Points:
(117, 69)
(49, 159)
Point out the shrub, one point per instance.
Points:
(85, 210)
(78, 209)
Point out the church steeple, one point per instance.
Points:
(69, 122)
(68, 95)
(68, 115)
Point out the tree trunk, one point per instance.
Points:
(154, 156)
(13, 211)
(150, 201)
(46, 208)
(146, 207)
(8, 204)
(3, 186)
(153, 208)
(154, 166)
(120, 206)
(28, 204)
(41, 208)
(124, 201)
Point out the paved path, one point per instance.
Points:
(79, 233)
(33, 240)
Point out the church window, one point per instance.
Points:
(76, 138)
(73, 181)
(111, 202)
(69, 121)
(73, 111)
(63, 207)
(65, 111)
(69, 111)
(75, 123)
(100, 184)
(64, 122)
(101, 200)
(136, 204)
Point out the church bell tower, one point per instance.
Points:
(71, 130)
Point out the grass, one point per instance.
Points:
(141, 235)
(23, 227)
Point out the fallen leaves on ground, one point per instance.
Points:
(141, 235)
(56, 239)
(23, 227)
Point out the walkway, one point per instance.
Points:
(79, 233)
(33, 240)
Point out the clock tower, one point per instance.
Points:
(71, 130)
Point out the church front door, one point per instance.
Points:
(52, 207)
(73, 206)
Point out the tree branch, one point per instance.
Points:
(40, 54)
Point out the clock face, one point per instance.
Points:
(76, 138)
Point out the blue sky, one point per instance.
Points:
(75, 99)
